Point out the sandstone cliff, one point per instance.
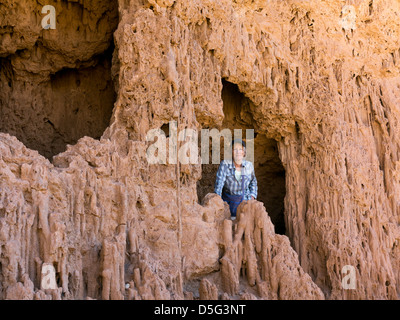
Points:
(318, 81)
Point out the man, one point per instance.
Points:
(236, 180)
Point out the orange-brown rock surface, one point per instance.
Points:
(319, 83)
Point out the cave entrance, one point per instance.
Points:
(269, 170)
(48, 115)
(58, 89)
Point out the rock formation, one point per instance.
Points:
(318, 82)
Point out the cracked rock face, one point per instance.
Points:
(318, 83)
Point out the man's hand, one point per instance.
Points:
(252, 198)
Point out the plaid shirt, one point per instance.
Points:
(227, 182)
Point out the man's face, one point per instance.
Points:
(238, 153)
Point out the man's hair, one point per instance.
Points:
(238, 141)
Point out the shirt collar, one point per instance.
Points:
(232, 165)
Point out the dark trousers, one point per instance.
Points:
(234, 200)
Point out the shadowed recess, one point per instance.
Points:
(269, 170)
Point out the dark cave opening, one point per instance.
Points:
(269, 170)
(47, 116)
(58, 87)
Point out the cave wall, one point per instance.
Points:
(322, 83)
